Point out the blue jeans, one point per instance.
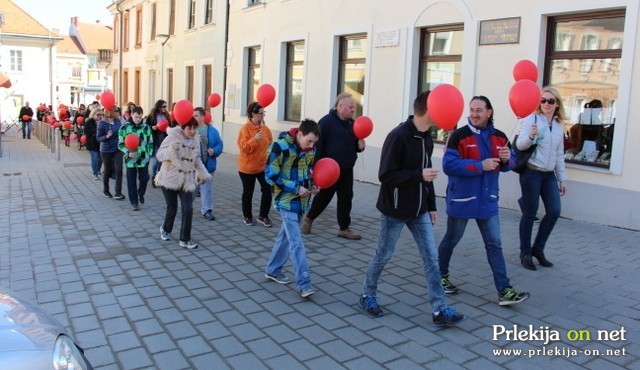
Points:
(137, 188)
(96, 162)
(490, 230)
(26, 129)
(422, 232)
(206, 197)
(536, 185)
(289, 242)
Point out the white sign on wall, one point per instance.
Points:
(384, 39)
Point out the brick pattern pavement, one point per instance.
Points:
(136, 302)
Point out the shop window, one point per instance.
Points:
(440, 62)
(587, 75)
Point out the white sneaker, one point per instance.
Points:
(189, 244)
(164, 235)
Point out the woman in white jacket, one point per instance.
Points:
(181, 171)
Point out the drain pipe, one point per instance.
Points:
(120, 52)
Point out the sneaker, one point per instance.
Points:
(189, 244)
(134, 207)
(96, 177)
(307, 292)
(141, 198)
(348, 234)
(107, 194)
(305, 227)
(447, 286)
(249, 221)
(370, 304)
(280, 278)
(164, 235)
(209, 215)
(447, 317)
(265, 221)
(118, 197)
(510, 296)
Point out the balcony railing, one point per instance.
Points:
(105, 56)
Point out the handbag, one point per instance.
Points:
(522, 156)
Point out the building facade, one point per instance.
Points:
(384, 53)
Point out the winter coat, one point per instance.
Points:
(108, 144)
(253, 153)
(181, 169)
(210, 139)
(90, 131)
(549, 154)
(403, 192)
(145, 148)
(337, 140)
(472, 192)
(287, 170)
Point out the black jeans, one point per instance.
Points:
(186, 200)
(344, 188)
(112, 162)
(248, 184)
(139, 188)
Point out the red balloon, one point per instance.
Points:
(524, 97)
(108, 100)
(207, 118)
(80, 120)
(66, 124)
(56, 124)
(26, 117)
(325, 172)
(214, 100)
(445, 105)
(74, 136)
(362, 127)
(4, 80)
(83, 139)
(162, 125)
(132, 142)
(265, 95)
(183, 111)
(525, 70)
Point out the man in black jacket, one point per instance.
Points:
(407, 197)
(26, 123)
(337, 141)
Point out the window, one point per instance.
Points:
(253, 72)
(207, 89)
(192, 14)
(351, 68)
(190, 80)
(138, 27)
(294, 79)
(208, 12)
(172, 17)
(586, 72)
(93, 62)
(154, 10)
(170, 86)
(440, 62)
(136, 86)
(125, 46)
(76, 71)
(116, 32)
(254, 2)
(16, 60)
(125, 85)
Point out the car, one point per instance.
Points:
(31, 339)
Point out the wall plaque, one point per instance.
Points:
(500, 31)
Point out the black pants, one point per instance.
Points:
(186, 200)
(248, 184)
(138, 187)
(112, 162)
(344, 188)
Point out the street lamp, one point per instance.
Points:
(166, 38)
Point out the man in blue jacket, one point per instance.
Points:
(473, 160)
(406, 197)
(210, 147)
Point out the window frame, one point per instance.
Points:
(138, 27)
(208, 12)
(289, 65)
(344, 60)
(191, 20)
(172, 17)
(16, 60)
(252, 65)
(154, 21)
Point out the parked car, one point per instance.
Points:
(32, 339)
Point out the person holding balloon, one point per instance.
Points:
(25, 115)
(136, 143)
(254, 139)
(107, 135)
(545, 176)
(339, 142)
(287, 171)
(474, 157)
(91, 141)
(157, 114)
(211, 147)
(407, 197)
(180, 172)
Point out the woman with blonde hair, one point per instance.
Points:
(545, 176)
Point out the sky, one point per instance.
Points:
(58, 13)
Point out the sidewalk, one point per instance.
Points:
(136, 302)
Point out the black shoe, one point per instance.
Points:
(107, 194)
(141, 198)
(525, 260)
(209, 215)
(118, 197)
(541, 259)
